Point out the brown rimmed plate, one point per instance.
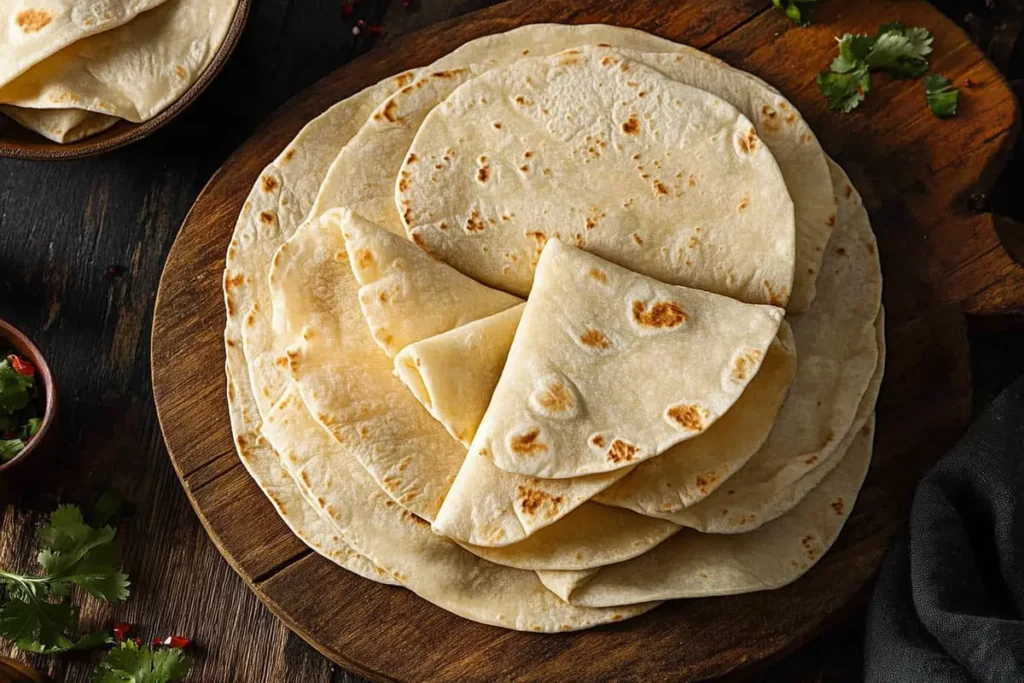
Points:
(17, 142)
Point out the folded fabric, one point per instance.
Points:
(949, 602)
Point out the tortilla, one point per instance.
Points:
(134, 71)
(35, 29)
(61, 125)
(591, 333)
(406, 295)
(692, 564)
(403, 544)
(838, 343)
(284, 192)
(607, 154)
(453, 374)
(692, 470)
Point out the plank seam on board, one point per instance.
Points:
(215, 477)
(753, 17)
(282, 565)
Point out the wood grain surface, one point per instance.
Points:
(62, 225)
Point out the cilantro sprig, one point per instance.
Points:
(897, 49)
(941, 96)
(131, 663)
(38, 614)
(800, 12)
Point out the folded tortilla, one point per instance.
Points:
(61, 125)
(454, 374)
(407, 295)
(593, 333)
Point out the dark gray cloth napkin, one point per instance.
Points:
(949, 602)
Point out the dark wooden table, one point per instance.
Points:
(82, 246)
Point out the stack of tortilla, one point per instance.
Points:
(572, 321)
(73, 68)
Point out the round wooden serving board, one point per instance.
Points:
(940, 260)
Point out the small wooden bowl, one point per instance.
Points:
(15, 338)
(17, 142)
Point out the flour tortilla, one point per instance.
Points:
(591, 333)
(403, 544)
(837, 340)
(285, 191)
(61, 125)
(260, 340)
(692, 564)
(35, 29)
(607, 154)
(454, 374)
(133, 71)
(406, 295)
(692, 470)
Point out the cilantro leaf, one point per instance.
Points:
(14, 388)
(129, 663)
(845, 91)
(75, 551)
(942, 97)
(10, 448)
(36, 625)
(33, 425)
(898, 54)
(853, 50)
(800, 12)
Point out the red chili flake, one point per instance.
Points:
(21, 366)
(121, 630)
(375, 30)
(115, 270)
(346, 9)
(177, 642)
(138, 641)
(968, 83)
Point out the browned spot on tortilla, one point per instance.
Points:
(403, 181)
(637, 238)
(598, 275)
(632, 125)
(597, 440)
(527, 444)
(596, 339)
(305, 478)
(741, 369)
(594, 216)
(539, 237)
(412, 158)
(403, 79)
(569, 59)
(523, 102)
(419, 241)
(289, 154)
(687, 416)
(556, 398)
(811, 460)
(748, 142)
(841, 251)
(483, 173)
(407, 217)
(269, 183)
(447, 75)
(744, 203)
(770, 118)
(32, 20)
(791, 118)
(607, 61)
(666, 314)
(624, 67)
(659, 187)
(364, 258)
(774, 298)
(528, 154)
(621, 451)
(388, 112)
(532, 500)
(497, 125)
(235, 281)
(831, 221)
(838, 505)
(705, 482)
(474, 223)
(849, 191)
(180, 70)
(526, 52)
(525, 168)
(266, 217)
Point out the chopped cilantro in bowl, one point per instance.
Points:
(20, 405)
